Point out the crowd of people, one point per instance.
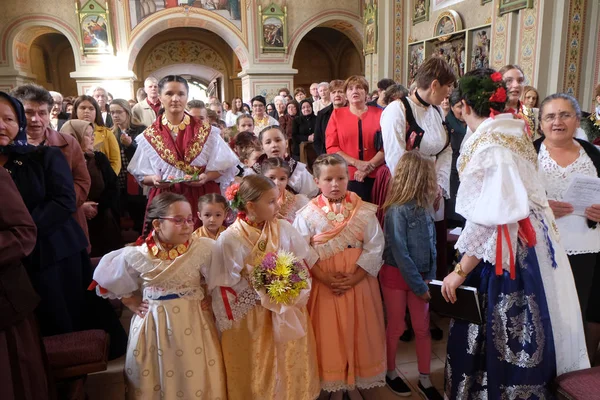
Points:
(260, 273)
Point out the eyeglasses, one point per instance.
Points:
(258, 105)
(563, 116)
(178, 221)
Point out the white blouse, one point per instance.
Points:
(301, 180)
(393, 129)
(216, 155)
(231, 118)
(576, 236)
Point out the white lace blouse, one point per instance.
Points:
(576, 236)
(393, 130)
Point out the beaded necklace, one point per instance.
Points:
(336, 209)
(158, 250)
(176, 128)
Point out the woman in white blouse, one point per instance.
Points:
(532, 329)
(560, 157)
(236, 110)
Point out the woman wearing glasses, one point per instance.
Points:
(560, 156)
(179, 147)
(261, 118)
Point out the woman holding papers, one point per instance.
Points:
(561, 157)
(532, 330)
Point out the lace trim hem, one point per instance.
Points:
(361, 383)
(244, 301)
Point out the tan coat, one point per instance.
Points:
(143, 114)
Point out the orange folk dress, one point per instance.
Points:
(349, 328)
(267, 354)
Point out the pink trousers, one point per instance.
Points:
(396, 296)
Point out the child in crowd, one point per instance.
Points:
(278, 170)
(212, 211)
(269, 349)
(274, 144)
(248, 149)
(173, 348)
(345, 304)
(245, 123)
(410, 263)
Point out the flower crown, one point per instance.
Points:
(482, 91)
(233, 197)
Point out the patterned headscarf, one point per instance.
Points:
(19, 144)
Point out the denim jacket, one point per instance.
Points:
(410, 244)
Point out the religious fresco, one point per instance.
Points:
(480, 50)
(229, 9)
(453, 51)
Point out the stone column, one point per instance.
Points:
(266, 81)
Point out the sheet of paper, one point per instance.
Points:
(583, 191)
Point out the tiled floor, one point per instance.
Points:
(109, 385)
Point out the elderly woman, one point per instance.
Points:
(59, 267)
(178, 147)
(324, 97)
(261, 118)
(303, 128)
(22, 372)
(532, 329)
(354, 133)
(87, 109)
(280, 103)
(103, 199)
(560, 157)
(292, 110)
(132, 197)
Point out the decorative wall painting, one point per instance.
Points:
(273, 29)
(507, 6)
(416, 58)
(447, 23)
(480, 48)
(94, 28)
(453, 51)
(370, 24)
(420, 11)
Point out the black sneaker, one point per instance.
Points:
(408, 335)
(430, 393)
(398, 386)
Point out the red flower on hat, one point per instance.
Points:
(499, 95)
(232, 191)
(496, 77)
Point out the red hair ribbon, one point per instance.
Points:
(526, 233)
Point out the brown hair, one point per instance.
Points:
(356, 80)
(159, 206)
(299, 90)
(336, 84)
(252, 188)
(99, 121)
(508, 67)
(241, 117)
(234, 108)
(275, 162)
(327, 160)
(212, 198)
(435, 68)
(245, 152)
(527, 89)
(269, 128)
(414, 179)
(212, 116)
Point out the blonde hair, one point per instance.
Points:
(252, 188)
(327, 160)
(414, 179)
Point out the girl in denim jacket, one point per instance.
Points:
(410, 263)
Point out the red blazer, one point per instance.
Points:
(342, 134)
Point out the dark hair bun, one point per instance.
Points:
(483, 90)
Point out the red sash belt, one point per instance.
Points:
(224, 291)
(526, 234)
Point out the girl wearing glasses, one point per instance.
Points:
(179, 146)
(560, 156)
(173, 347)
(532, 329)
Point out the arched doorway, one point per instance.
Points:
(325, 54)
(193, 52)
(52, 61)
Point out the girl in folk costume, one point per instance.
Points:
(514, 78)
(173, 350)
(268, 346)
(212, 211)
(178, 146)
(345, 304)
(532, 329)
(278, 170)
(275, 144)
(410, 264)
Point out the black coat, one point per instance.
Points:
(320, 128)
(302, 128)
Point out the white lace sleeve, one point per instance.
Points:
(114, 274)
(393, 128)
(303, 182)
(300, 246)
(217, 156)
(443, 165)
(371, 257)
(140, 164)
(227, 261)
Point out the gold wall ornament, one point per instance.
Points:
(507, 6)
(446, 24)
(273, 29)
(94, 28)
(370, 27)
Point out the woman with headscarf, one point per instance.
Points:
(303, 128)
(59, 267)
(105, 233)
(87, 109)
(22, 371)
(132, 196)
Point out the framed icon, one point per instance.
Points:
(273, 29)
(94, 28)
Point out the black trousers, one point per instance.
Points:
(362, 189)
(584, 268)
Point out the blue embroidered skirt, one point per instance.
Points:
(511, 355)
